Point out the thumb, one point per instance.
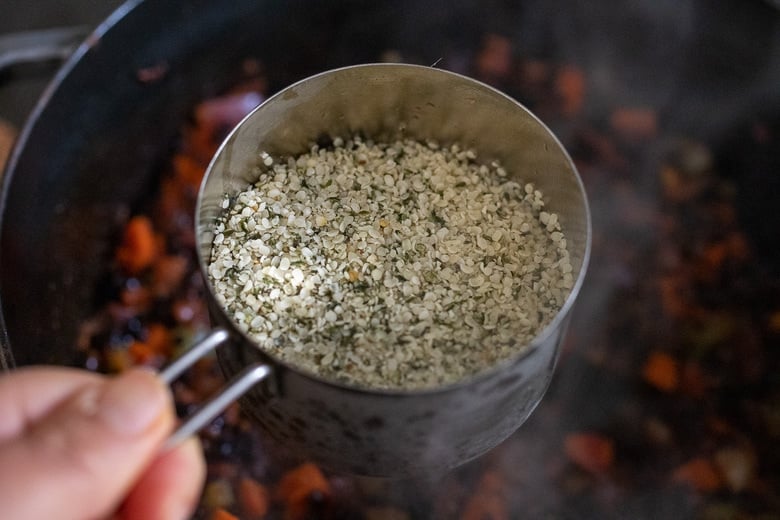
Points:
(82, 458)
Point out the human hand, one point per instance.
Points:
(77, 445)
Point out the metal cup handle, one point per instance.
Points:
(235, 388)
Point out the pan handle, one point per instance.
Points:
(235, 388)
(40, 45)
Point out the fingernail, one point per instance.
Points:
(133, 401)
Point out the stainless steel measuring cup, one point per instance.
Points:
(389, 432)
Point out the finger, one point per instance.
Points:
(170, 487)
(81, 459)
(28, 394)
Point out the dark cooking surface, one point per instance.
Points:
(666, 402)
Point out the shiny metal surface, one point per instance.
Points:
(393, 433)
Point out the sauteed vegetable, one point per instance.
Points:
(665, 403)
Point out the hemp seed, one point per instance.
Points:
(389, 265)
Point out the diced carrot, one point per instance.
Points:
(139, 247)
(492, 482)
(661, 371)
(254, 499)
(590, 451)
(7, 138)
(141, 352)
(494, 60)
(485, 507)
(570, 85)
(488, 501)
(172, 202)
(635, 123)
(158, 343)
(168, 273)
(298, 485)
(201, 142)
(187, 170)
(671, 182)
(699, 473)
(221, 514)
(159, 338)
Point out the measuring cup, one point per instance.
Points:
(363, 430)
